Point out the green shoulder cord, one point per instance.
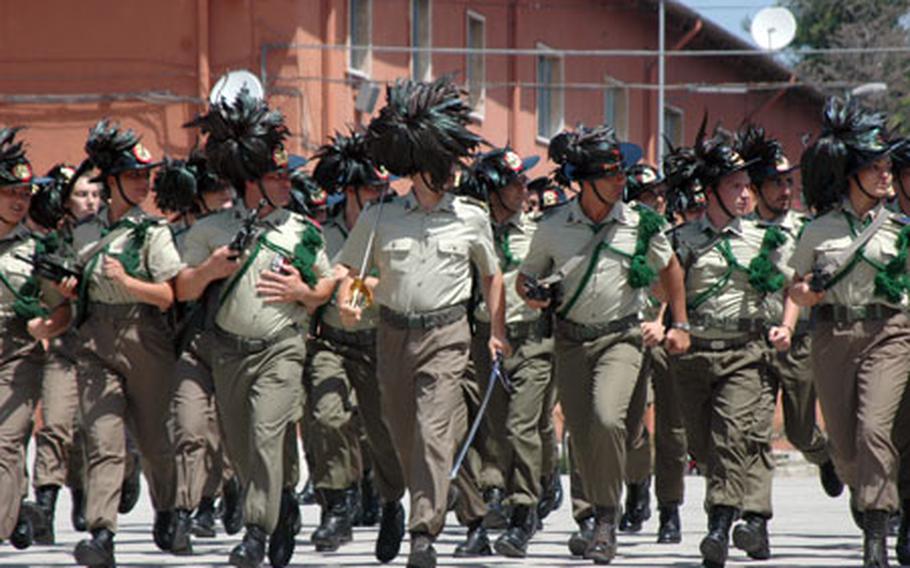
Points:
(508, 261)
(764, 276)
(640, 274)
(26, 305)
(891, 280)
(723, 247)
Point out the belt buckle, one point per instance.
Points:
(717, 344)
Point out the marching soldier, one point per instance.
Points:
(788, 372)
(32, 311)
(342, 363)
(273, 270)
(618, 252)
(423, 246)
(851, 266)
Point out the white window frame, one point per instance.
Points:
(559, 92)
(670, 109)
(478, 108)
(368, 57)
(428, 73)
(611, 83)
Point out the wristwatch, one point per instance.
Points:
(681, 325)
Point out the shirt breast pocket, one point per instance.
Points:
(453, 257)
(395, 254)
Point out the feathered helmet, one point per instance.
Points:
(180, 184)
(113, 150)
(549, 194)
(48, 205)
(306, 195)
(851, 138)
(494, 170)
(422, 130)
(344, 162)
(245, 139)
(641, 178)
(717, 155)
(585, 154)
(765, 153)
(685, 190)
(15, 168)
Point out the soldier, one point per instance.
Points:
(720, 379)
(788, 372)
(618, 252)
(341, 365)
(32, 311)
(258, 315)
(423, 246)
(861, 339)
(191, 190)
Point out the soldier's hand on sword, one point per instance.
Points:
(68, 288)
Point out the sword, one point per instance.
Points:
(822, 274)
(496, 375)
(358, 286)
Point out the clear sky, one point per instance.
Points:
(730, 13)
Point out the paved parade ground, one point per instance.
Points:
(808, 529)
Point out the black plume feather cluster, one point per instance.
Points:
(12, 153)
(107, 143)
(684, 188)
(584, 153)
(851, 137)
(754, 145)
(47, 207)
(422, 129)
(717, 156)
(179, 184)
(242, 138)
(344, 162)
(489, 173)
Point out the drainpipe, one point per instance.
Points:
(515, 91)
(203, 70)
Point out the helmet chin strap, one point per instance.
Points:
(129, 201)
(503, 204)
(266, 195)
(720, 202)
(597, 193)
(859, 184)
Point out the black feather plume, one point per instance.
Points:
(489, 173)
(175, 187)
(47, 207)
(584, 153)
(754, 145)
(12, 153)
(107, 143)
(344, 162)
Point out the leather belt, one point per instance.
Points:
(518, 331)
(586, 332)
(838, 313)
(703, 344)
(745, 325)
(423, 320)
(360, 338)
(254, 344)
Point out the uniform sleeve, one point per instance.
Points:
(50, 296)
(321, 265)
(482, 251)
(538, 260)
(659, 251)
(163, 259)
(804, 255)
(355, 247)
(195, 246)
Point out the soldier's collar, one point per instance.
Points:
(19, 232)
(447, 203)
(134, 213)
(847, 207)
(735, 226)
(619, 213)
(517, 220)
(787, 221)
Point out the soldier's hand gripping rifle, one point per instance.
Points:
(536, 290)
(359, 289)
(497, 375)
(50, 266)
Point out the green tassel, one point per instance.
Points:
(773, 238)
(891, 282)
(764, 277)
(305, 254)
(650, 223)
(640, 274)
(27, 305)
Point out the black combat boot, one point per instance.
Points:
(580, 539)
(163, 530)
(30, 517)
(129, 490)
(551, 500)
(875, 547)
(715, 545)
(77, 513)
(181, 542)
(232, 506)
(251, 551)
(369, 500)
(283, 539)
(638, 506)
(670, 530)
(422, 555)
(46, 499)
(477, 542)
(204, 519)
(831, 483)
(497, 516)
(602, 549)
(391, 531)
(514, 542)
(751, 536)
(96, 552)
(335, 526)
(903, 535)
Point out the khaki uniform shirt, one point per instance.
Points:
(159, 259)
(697, 247)
(424, 258)
(607, 295)
(791, 223)
(20, 242)
(519, 230)
(336, 233)
(243, 312)
(829, 234)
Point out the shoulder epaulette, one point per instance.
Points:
(470, 200)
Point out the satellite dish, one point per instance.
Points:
(231, 83)
(773, 28)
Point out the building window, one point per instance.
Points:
(616, 107)
(421, 26)
(360, 35)
(549, 94)
(476, 63)
(673, 127)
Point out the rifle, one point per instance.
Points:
(534, 290)
(50, 266)
(202, 316)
